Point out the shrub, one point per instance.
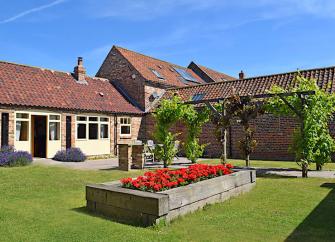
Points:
(165, 179)
(10, 157)
(70, 155)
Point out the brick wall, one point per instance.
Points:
(63, 129)
(273, 134)
(116, 68)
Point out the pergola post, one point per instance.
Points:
(224, 137)
(223, 131)
(300, 115)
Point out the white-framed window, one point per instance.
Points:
(22, 127)
(54, 127)
(92, 127)
(81, 127)
(125, 127)
(104, 128)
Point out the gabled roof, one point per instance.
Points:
(256, 85)
(22, 85)
(145, 64)
(212, 74)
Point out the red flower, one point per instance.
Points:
(163, 179)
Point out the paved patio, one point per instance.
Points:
(105, 164)
(112, 163)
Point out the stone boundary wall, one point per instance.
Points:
(147, 208)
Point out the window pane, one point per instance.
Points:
(104, 131)
(125, 129)
(81, 131)
(54, 131)
(93, 118)
(54, 117)
(22, 130)
(81, 118)
(104, 119)
(93, 131)
(125, 121)
(22, 115)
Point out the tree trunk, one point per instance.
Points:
(318, 166)
(304, 170)
(247, 160)
(165, 164)
(224, 138)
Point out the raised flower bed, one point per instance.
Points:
(167, 194)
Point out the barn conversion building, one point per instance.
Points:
(43, 111)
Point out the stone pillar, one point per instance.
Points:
(124, 157)
(138, 156)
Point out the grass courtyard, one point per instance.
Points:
(269, 164)
(40, 203)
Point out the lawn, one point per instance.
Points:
(269, 164)
(40, 203)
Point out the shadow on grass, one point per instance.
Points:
(275, 176)
(320, 223)
(86, 211)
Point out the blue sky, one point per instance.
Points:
(258, 36)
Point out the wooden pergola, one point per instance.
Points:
(283, 96)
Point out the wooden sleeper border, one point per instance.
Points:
(147, 208)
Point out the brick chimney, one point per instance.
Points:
(241, 75)
(80, 71)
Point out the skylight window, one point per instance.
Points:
(157, 73)
(184, 74)
(198, 96)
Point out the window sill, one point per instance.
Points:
(125, 136)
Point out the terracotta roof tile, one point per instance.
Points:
(215, 75)
(143, 64)
(22, 85)
(256, 85)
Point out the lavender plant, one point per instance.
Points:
(70, 155)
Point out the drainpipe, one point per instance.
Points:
(115, 135)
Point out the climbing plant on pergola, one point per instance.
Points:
(245, 108)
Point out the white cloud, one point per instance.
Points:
(32, 10)
(151, 9)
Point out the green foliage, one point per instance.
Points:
(246, 110)
(166, 115)
(169, 112)
(312, 143)
(194, 121)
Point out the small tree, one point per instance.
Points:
(194, 121)
(246, 110)
(223, 120)
(312, 142)
(166, 115)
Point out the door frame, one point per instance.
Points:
(32, 120)
(4, 129)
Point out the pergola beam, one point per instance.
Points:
(213, 109)
(257, 96)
